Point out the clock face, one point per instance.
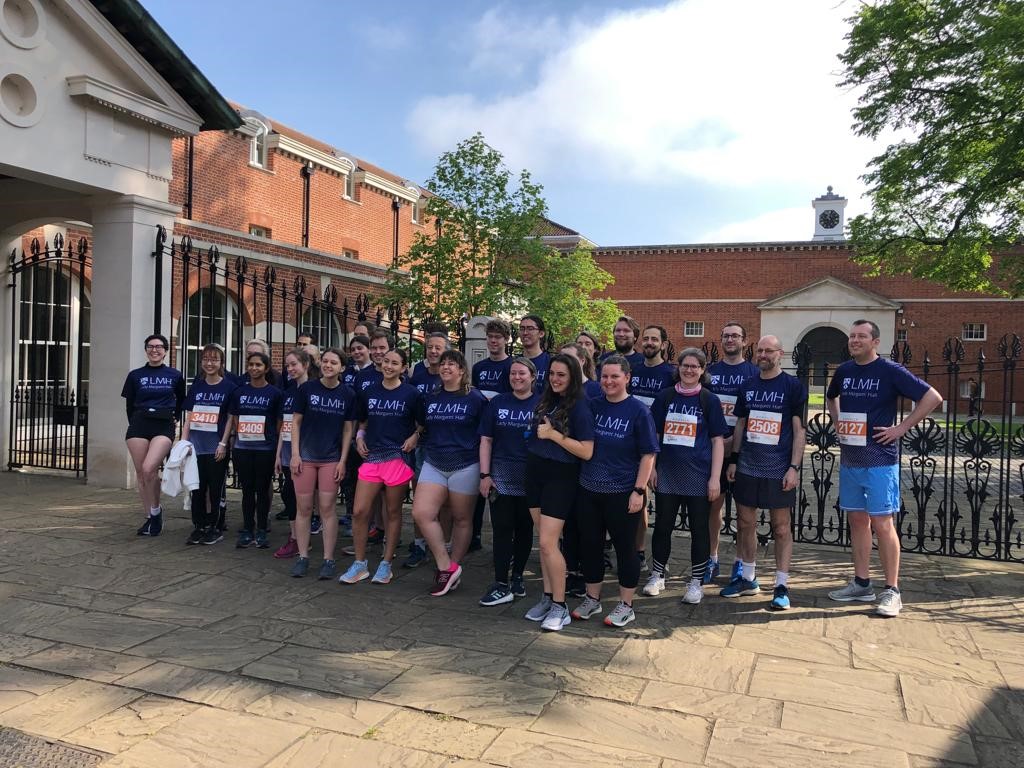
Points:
(828, 219)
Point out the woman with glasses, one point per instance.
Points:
(503, 432)
(154, 395)
(690, 426)
(205, 419)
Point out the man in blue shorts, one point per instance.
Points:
(768, 448)
(862, 399)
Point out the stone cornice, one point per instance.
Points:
(331, 163)
(387, 186)
(135, 106)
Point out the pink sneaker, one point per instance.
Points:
(446, 581)
(287, 550)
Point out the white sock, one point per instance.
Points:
(748, 571)
(154, 511)
(781, 578)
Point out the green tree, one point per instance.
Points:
(951, 74)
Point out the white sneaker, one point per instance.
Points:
(694, 593)
(889, 603)
(557, 618)
(654, 586)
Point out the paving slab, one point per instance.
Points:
(107, 631)
(327, 750)
(946, 666)
(584, 681)
(324, 671)
(19, 686)
(197, 685)
(711, 704)
(207, 650)
(67, 708)
(522, 749)
(432, 732)
(822, 685)
(16, 646)
(723, 669)
(85, 663)
(771, 642)
(992, 712)
(126, 726)
(321, 710)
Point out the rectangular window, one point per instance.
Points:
(350, 186)
(256, 231)
(417, 213)
(350, 254)
(693, 329)
(901, 334)
(969, 389)
(974, 332)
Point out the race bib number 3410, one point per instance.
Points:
(764, 427)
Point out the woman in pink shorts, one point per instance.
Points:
(386, 438)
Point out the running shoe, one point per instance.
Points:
(300, 568)
(345, 527)
(262, 542)
(694, 593)
(655, 585)
(195, 537)
(780, 598)
(558, 617)
(518, 586)
(382, 574)
(620, 616)
(589, 607)
(212, 535)
(287, 550)
(740, 586)
(417, 555)
(737, 571)
(711, 572)
(349, 550)
(575, 585)
(447, 580)
(889, 603)
(540, 610)
(375, 535)
(358, 571)
(497, 594)
(153, 525)
(245, 539)
(853, 592)
(315, 525)
(327, 570)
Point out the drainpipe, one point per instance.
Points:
(307, 175)
(395, 208)
(189, 186)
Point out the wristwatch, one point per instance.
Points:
(639, 491)
(794, 466)
(484, 474)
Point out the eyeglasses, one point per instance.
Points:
(528, 328)
(211, 360)
(154, 347)
(691, 367)
(732, 335)
(767, 351)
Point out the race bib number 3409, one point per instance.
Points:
(251, 428)
(764, 427)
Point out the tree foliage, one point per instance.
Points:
(950, 73)
(481, 255)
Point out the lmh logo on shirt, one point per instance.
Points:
(503, 413)
(314, 399)
(371, 403)
(432, 407)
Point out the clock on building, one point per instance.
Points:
(828, 219)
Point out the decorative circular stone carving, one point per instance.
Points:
(22, 22)
(19, 102)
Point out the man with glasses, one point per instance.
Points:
(531, 334)
(862, 399)
(726, 377)
(767, 450)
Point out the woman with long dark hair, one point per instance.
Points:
(562, 436)
(154, 395)
(297, 363)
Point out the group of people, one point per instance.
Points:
(569, 443)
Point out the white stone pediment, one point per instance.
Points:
(829, 293)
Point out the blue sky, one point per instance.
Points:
(658, 122)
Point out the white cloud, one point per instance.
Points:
(507, 43)
(733, 93)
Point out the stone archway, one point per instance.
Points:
(828, 346)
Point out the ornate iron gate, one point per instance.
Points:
(49, 396)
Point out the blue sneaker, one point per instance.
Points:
(245, 539)
(711, 572)
(315, 525)
(355, 573)
(153, 525)
(740, 586)
(780, 598)
(417, 556)
(737, 571)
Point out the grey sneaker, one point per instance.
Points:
(694, 593)
(300, 567)
(558, 617)
(853, 591)
(589, 607)
(540, 611)
(327, 570)
(620, 616)
(889, 603)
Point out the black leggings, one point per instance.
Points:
(571, 538)
(608, 513)
(206, 498)
(288, 493)
(697, 509)
(513, 535)
(256, 473)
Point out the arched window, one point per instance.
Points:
(212, 318)
(323, 324)
(258, 143)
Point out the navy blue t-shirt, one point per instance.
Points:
(367, 377)
(541, 362)
(452, 422)
(725, 382)
(390, 416)
(257, 409)
(491, 377)
(351, 373)
(623, 433)
(423, 379)
(592, 389)
(507, 421)
(645, 382)
(154, 389)
(684, 464)
(287, 409)
(324, 413)
(580, 422)
(207, 405)
(635, 360)
(769, 406)
(868, 396)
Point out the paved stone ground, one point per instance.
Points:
(150, 653)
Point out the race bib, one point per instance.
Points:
(728, 406)
(764, 427)
(286, 427)
(852, 428)
(680, 429)
(251, 429)
(204, 418)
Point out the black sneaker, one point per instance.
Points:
(497, 594)
(144, 530)
(196, 537)
(212, 535)
(153, 525)
(300, 567)
(245, 539)
(518, 586)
